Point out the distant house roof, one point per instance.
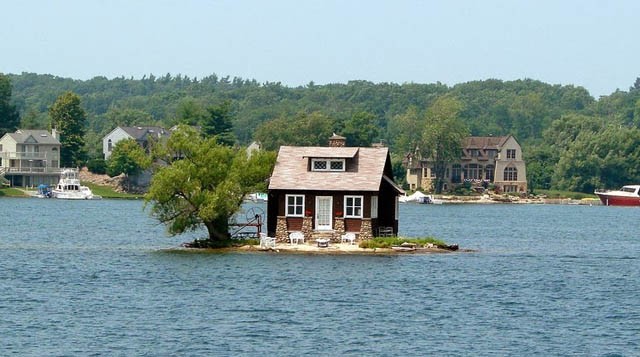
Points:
(40, 137)
(142, 132)
(484, 142)
(291, 171)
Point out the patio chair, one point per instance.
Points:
(267, 242)
(296, 237)
(348, 237)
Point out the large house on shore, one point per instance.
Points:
(324, 192)
(30, 157)
(484, 161)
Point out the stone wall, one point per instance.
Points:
(338, 229)
(366, 231)
(281, 230)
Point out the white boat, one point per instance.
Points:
(69, 187)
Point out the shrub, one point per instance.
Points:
(97, 166)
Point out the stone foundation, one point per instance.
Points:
(366, 231)
(338, 229)
(281, 230)
(307, 228)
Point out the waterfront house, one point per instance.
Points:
(30, 157)
(143, 135)
(484, 161)
(325, 192)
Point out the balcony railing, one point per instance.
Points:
(28, 155)
(25, 170)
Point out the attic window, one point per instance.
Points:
(327, 165)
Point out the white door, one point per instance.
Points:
(323, 212)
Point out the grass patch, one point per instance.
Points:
(108, 192)
(564, 194)
(388, 242)
(12, 192)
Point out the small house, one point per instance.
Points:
(325, 192)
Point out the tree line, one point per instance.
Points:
(570, 140)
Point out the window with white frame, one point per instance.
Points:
(295, 205)
(374, 206)
(327, 165)
(511, 153)
(353, 206)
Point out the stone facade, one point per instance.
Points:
(366, 232)
(307, 228)
(281, 229)
(338, 228)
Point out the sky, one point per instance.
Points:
(592, 44)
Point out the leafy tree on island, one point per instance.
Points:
(442, 136)
(204, 183)
(9, 117)
(69, 119)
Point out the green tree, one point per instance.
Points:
(217, 123)
(69, 119)
(127, 157)
(204, 183)
(442, 136)
(361, 129)
(9, 117)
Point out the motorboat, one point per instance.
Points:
(69, 187)
(44, 191)
(626, 196)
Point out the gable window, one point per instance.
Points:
(511, 153)
(295, 205)
(353, 206)
(109, 145)
(374, 206)
(511, 174)
(327, 165)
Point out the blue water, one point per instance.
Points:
(96, 278)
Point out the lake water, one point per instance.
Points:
(96, 278)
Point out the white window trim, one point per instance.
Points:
(374, 206)
(286, 206)
(361, 206)
(328, 161)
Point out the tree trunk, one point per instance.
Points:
(218, 229)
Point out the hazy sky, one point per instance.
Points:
(586, 43)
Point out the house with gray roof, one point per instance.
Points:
(143, 135)
(484, 161)
(30, 157)
(325, 192)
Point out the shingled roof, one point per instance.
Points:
(40, 136)
(484, 142)
(142, 132)
(291, 170)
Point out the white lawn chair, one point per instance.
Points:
(267, 242)
(348, 237)
(296, 237)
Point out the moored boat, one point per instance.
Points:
(69, 187)
(626, 196)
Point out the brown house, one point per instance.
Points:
(324, 192)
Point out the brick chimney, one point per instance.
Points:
(336, 141)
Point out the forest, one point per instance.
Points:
(571, 140)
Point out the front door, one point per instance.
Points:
(323, 212)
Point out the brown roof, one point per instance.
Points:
(291, 169)
(484, 142)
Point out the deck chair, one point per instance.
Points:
(348, 237)
(296, 237)
(267, 242)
